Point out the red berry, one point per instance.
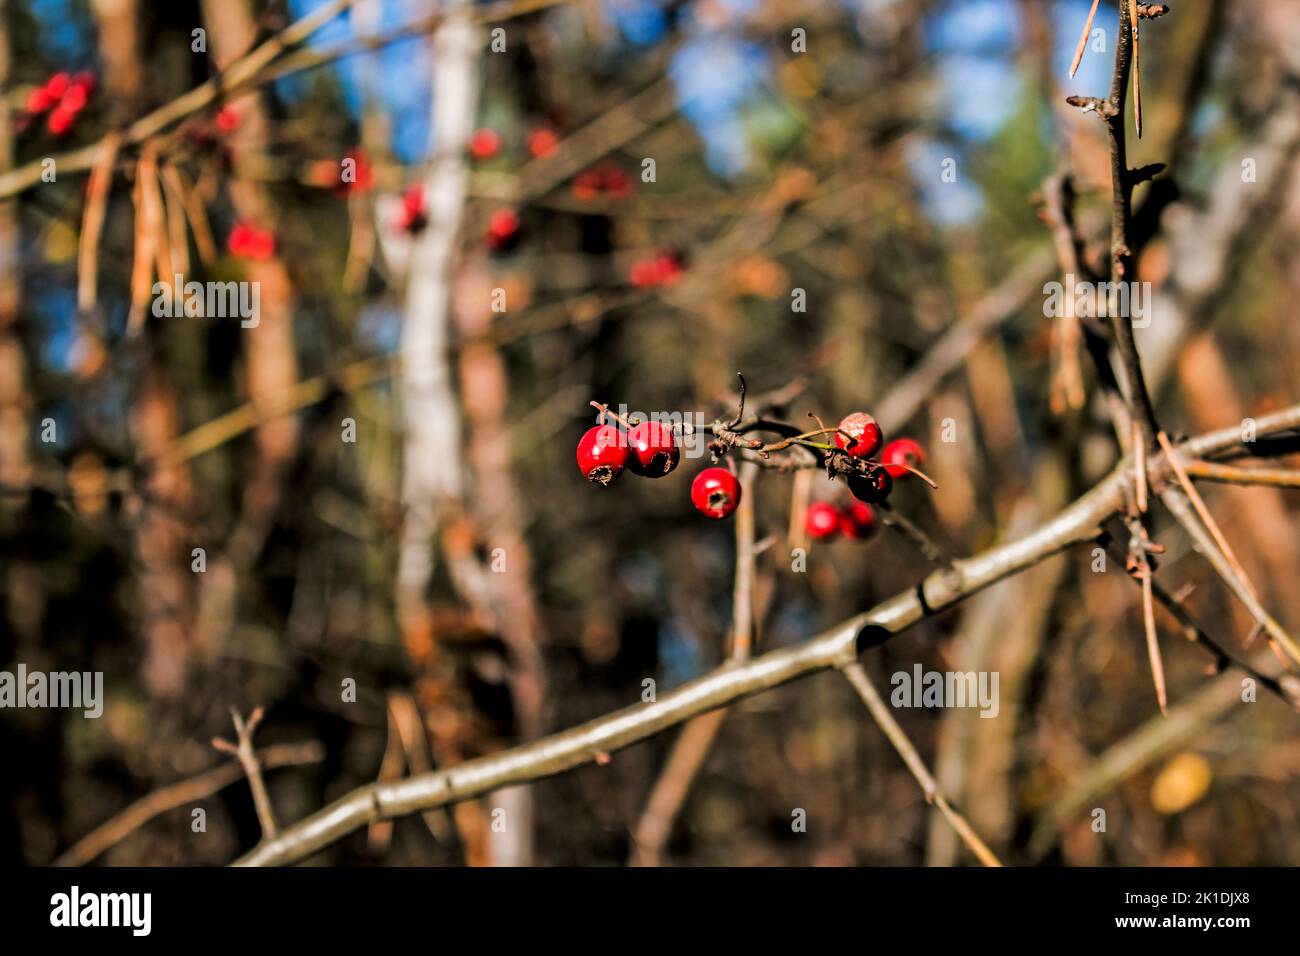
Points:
(715, 492)
(586, 185)
(602, 454)
(502, 226)
(39, 100)
(227, 120)
(866, 434)
(901, 452)
(654, 449)
(484, 144)
(85, 81)
(58, 84)
(873, 487)
(248, 241)
(74, 99)
(616, 183)
(60, 121)
(821, 520)
(542, 142)
(857, 521)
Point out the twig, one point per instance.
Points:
(1232, 475)
(243, 749)
(122, 824)
(1199, 504)
(898, 737)
(1179, 507)
(1175, 605)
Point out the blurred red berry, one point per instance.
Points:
(715, 492)
(356, 175)
(866, 435)
(542, 141)
(58, 84)
(74, 99)
(821, 520)
(662, 269)
(857, 520)
(247, 241)
(484, 144)
(60, 121)
(413, 217)
(503, 228)
(602, 454)
(228, 118)
(902, 452)
(84, 81)
(586, 185)
(39, 100)
(616, 183)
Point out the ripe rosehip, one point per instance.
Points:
(654, 451)
(503, 229)
(60, 121)
(873, 487)
(602, 454)
(857, 521)
(228, 119)
(74, 100)
(586, 185)
(900, 452)
(821, 520)
(484, 144)
(866, 434)
(715, 492)
(542, 141)
(39, 100)
(58, 84)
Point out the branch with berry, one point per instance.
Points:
(854, 451)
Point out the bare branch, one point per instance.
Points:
(898, 737)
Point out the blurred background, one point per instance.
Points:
(462, 231)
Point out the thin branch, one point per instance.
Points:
(243, 749)
(122, 824)
(1199, 504)
(1175, 605)
(1232, 475)
(898, 737)
(1182, 510)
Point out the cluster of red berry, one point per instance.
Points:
(606, 181)
(249, 241)
(64, 96)
(855, 520)
(485, 142)
(664, 268)
(650, 449)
